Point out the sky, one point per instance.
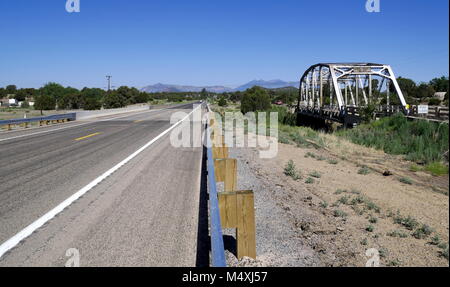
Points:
(214, 42)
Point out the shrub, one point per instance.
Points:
(291, 170)
(255, 99)
(423, 232)
(339, 213)
(408, 222)
(370, 228)
(310, 180)
(420, 141)
(315, 174)
(332, 161)
(397, 233)
(222, 102)
(405, 180)
(364, 170)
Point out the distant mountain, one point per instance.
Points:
(273, 84)
(160, 88)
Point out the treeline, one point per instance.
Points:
(259, 98)
(423, 92)
(54, 96)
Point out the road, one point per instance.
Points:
(144, 214)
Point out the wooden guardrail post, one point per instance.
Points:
(226, 172)
(237, 211)
(236, 207)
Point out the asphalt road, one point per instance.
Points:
(144, 214)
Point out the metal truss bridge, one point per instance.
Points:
(341, 91)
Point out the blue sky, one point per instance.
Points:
(227, 42)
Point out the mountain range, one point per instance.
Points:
(272, 84)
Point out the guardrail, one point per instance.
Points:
(230, 208)
(41, 120)
(217, 247)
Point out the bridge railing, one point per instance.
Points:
(40, 120)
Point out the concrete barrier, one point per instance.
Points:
(84, 115)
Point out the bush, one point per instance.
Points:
(420, 141)
(255, 99)
(290, 170)
(222, 102)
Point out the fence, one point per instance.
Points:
(40, 120)
(230, 208)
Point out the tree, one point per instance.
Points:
(91, 99)
(114, 100)
(407, 86)
(54, 90)
(255, 99)
(425, 91)
(222, 102)
(440, 84)
(45, 103)
(11, 89)
(204, 94)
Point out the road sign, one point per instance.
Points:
(422, 109)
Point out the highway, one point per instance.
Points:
(145, 213)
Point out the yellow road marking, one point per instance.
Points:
(138, 121)
(88, 136)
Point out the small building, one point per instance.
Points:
(13, 103)
(439, 96)
(4, 102)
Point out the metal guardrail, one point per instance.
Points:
(70, 117)
(217, 246)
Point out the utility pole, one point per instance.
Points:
(109, 82)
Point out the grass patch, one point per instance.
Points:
(291, 171)
(419, 141)
(405, 180)
(437, 168)
(339, 213)
(373, 220)
(397, 233)
(370, 228)
(409, 222)
(343, 200)
(339, 191)
(324, 204)
(364, 170)
(333, 161)
(423, 232)
(315, 174)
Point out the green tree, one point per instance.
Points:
(407, 86)
(440, 84)
(11, 89)
(91, 99)
(45, 102)
(222, 102)
(255, 99)
(114, 100)
(424, 91)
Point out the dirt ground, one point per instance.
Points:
(350, 208)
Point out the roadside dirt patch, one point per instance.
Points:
(343, 205)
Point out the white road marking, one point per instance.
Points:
(27, 231)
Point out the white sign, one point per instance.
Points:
(422, 109)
